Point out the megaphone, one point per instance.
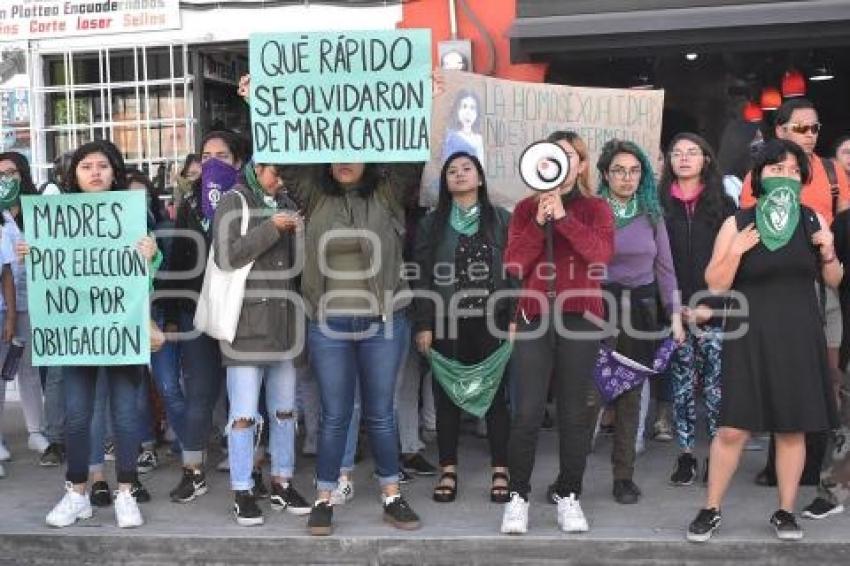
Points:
(543, 166)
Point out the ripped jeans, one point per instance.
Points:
(243, 392)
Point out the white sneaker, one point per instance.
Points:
(37, 442)
(127, 510)
(72, 507)
(343, 493)
(515, 517)
(570, 516)
(4, 453)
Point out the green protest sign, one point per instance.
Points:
(88, 285)
(341, 97)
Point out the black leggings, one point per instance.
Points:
(473, 344)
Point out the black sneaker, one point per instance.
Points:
(786, 526)
(701, 528)
(399, 514)
(320, 522)
(285, 498)
(418, 466)
(100, 496)
(552, 493)
(140, 492)
(820, 508)
(53, 456)
(626, 492)
(245, 509)
(147, 461)
(193, 484)
(686, 470)
(260, 490)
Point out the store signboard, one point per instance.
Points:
(40, 19)
(355, 96)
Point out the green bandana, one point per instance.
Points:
(465, 221)
(10, 190)
(471, 387)
(623, 213)
(254, 185)
(778, 211)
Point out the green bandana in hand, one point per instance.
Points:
(10, 190)
(778, 211)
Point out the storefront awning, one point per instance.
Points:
(752, 26)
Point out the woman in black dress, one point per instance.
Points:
(775, 377)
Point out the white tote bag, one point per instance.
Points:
(220, 301)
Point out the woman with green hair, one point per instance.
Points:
(640, 272)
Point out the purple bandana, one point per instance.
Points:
(615, 373)
(217, 177)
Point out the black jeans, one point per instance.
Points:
(570, 361)
(472, 345)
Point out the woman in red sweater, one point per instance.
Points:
(583, 237)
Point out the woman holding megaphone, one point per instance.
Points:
(582, 244)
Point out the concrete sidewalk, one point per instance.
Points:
(465, 532)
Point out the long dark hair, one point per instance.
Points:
(713, 195)
(108, 149)
(27, 186)
(190, 159)
(775, 151)
(154, 206)
(444, 202)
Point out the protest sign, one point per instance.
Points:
(496, 119)
(88, 286)
(341, 97)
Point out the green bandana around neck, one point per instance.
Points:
(778, 211)
(624, 213)
(465, 221)
(10, 190)
(253, 184)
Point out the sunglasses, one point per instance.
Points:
(803, 128)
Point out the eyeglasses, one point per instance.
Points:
(621, 173)
(803, 128)
(692, 153)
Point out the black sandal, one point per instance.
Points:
(499, 493)
(446, 493)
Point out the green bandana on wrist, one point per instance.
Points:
(778, 211)
(10, 190)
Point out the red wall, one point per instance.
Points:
(496, 16)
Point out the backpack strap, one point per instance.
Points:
(829, 167)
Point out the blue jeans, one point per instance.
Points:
(80, 385)
(243, 392)
(165, 369)
(54, 404)
(101, 426)
(362, 353)
(203, 375)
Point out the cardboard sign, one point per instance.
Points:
(88, 286)
(496, 119)
(341, 97)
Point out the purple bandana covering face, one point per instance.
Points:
(217, 177)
